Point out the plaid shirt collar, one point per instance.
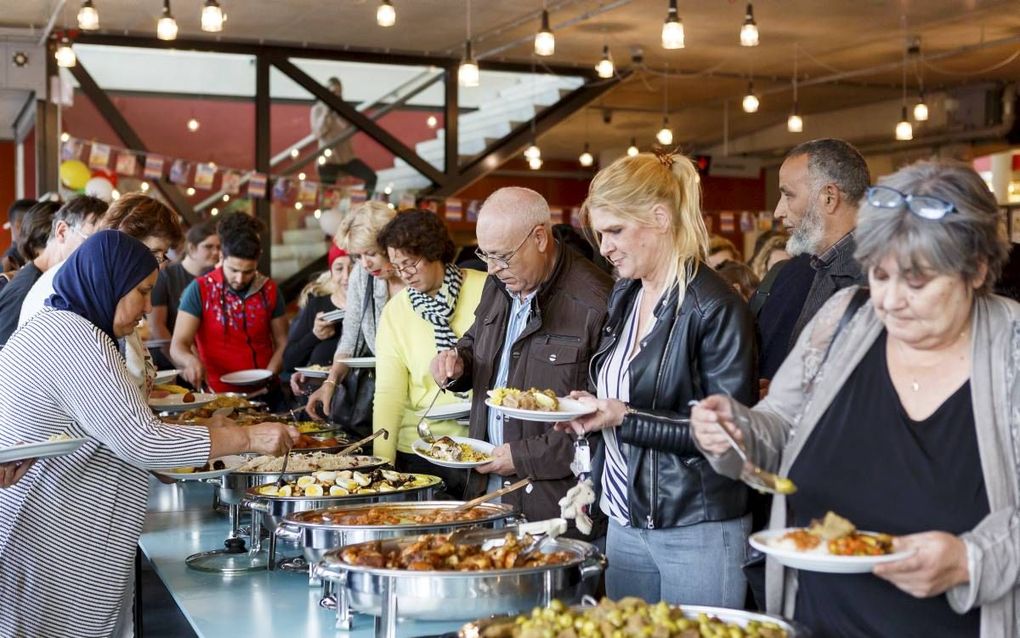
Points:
(826, 259)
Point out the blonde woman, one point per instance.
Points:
(372, 283)
(770, 251)
(675, 332)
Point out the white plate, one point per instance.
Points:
(166, 376)
(255, 376)
(232, 462)
(819, 561)
(43, 450)
(359, 362)
(569, 409)
(420, 446)
(314, 373)
(332, 316)
(449, 411)
(175, 402)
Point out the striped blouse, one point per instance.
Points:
(68, 529)
(613, 382)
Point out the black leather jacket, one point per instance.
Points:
(706, 348)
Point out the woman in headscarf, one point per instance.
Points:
(70, 525)
(429, 316)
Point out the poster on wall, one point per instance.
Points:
(153, 167)
(205, 173)
(257, 185)
(127, 163)
(231, 182)
(179, 171)
(99, 156)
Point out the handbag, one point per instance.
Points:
(351, 408)
(754, 566)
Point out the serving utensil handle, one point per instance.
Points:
(491, 495)
(383, 432)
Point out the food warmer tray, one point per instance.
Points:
(234, 486)
(317, 538)
(389, 594)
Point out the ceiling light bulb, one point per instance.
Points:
(751, 101)
(212, 17)
(605, 67)
(193, 125)
(586, 158)
(114, 194)
(301, 176)
(632, 150)
(795, 123)
(190, 191)
(166, 26)
(535, 163)
(468, 73)
(294, 153)
(327, 152)
(226, 197)
(298, 205)
(214, 212)
(432, 122)
(665, 134)
(386, 15)
(904, 131)
(321, 160)
(389, 189)
(145, 187)
(65, 136)
(318, 213)
(921, 111)
(749, 30)
(672, 29)
(65, 54)
(88, 17)
(532, 151)
(545, 41)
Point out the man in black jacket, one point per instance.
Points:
(537, 325)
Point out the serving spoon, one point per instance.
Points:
(424, 431)
(484, 498)
(383, 432)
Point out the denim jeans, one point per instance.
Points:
(693, 565)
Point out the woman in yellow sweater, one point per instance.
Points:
(429, 316)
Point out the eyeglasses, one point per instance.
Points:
(408, 270)
(161, 257)
(503, 262)
(924, 206)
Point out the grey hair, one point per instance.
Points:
(958, 244)
(835, 161)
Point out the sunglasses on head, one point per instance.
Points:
(924, 206)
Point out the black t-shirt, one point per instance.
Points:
(868, 461)
(303, 347)
(13, 296)
(169, 287)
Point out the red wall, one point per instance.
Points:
(7, 189)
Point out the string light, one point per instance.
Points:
(605, 67)
(166, 26)
(226, 198)
(65, 137)
(749, 30)
(301, 176)
(190, 192)
(318, 213)
(545, 41)
(586, 158)
(214, 212)
(632, 150)
(751, 101)
(386, 15)
(193, 125)
(672, 29)
(298, 205)
(327, 152)
(294, 153)
(212, 17)
(432, 122)
(321, 160)
(532, 151)
(88, 17)
(145, 187)
(535, 163)
(468, 73)
(65, 54)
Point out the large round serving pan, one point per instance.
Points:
(734, 616)
(318, 537)
(275, 508)
(451, 595)
(234, 486)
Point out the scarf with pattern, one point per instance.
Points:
(438, 310)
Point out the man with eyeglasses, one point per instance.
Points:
(537, 325)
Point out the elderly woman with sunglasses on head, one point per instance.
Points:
(902, 415)
(429, 316)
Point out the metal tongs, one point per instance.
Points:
(424, 432)
(751, 474)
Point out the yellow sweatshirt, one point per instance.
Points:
(405, 345)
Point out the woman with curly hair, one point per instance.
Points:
(427, 317)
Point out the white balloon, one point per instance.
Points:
(99, 187)
(330, 221)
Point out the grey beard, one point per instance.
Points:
(806, 237)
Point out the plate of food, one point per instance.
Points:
(542, 406)
(832, 546)
(255, 376)
(333, 315)
(358, 362)
(311, 462)
(213, 469)
(55, 445)
(166, 376)
(449, 411)
(172, 402)
(454, 451)
(313, 372)
(347, 483)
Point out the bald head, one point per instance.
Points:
(515, 222)
(512, 209)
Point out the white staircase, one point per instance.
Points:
(300, 247)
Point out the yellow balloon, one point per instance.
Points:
(74, 174)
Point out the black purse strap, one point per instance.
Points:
(367, 305)
(858, 299)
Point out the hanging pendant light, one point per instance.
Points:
(386, 15)
(532, 152)
(921, 109)
(672, 29)
(605, 67)
(65, 54)
(586, 159)
(795, 123)
(468, 74)
(88, 17)
(212, 17)
(749, 30)
(665, 134)
(166, 26)
(904, 130)
(545, 41)
(632, 150)
(535, 163)
(750, 102)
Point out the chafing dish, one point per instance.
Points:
(318, 537)
(389, 594)
(235, 486)
(735, 616)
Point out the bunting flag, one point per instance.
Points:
(406, 201)
(556, 214)
(308, 193)
(454, 210)
(205, 173)
(330, 198)
(358, 196)
(257, 185)
(70, 150)
(127, 163)
(575, 216)
(99, 156)
(281, 189)
(727, 222)
(231, 183)
(472, 210)
(179, 171)
(153, 167)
